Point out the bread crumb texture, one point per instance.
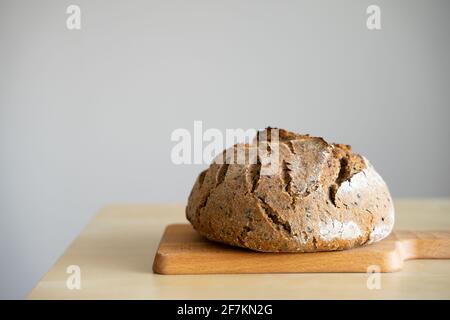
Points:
(323, 197)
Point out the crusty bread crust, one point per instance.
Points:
(323, 197)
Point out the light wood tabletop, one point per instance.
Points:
(115, 253)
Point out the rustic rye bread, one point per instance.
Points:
(323, 197)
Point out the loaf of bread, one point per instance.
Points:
(322, 197)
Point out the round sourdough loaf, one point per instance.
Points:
(322, 197)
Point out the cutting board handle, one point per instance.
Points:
(424, 244)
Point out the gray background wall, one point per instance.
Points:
(86, 116)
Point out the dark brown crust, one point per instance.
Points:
(323, 197)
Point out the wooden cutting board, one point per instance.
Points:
(183, 251)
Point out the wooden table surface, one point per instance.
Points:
(116, 250)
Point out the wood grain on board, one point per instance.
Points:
(183, 251)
